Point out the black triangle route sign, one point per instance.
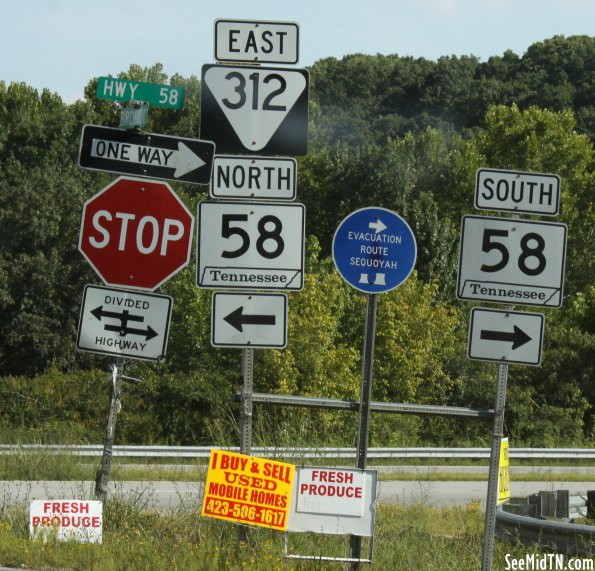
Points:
(255, 109)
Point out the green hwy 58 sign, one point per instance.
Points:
(156, 94)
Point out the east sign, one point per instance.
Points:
(136, 233)
(256, 41)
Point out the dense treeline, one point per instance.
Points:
(402, 133)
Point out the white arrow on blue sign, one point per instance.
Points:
(374, 250)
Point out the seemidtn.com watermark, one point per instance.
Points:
(548, 562)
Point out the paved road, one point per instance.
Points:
(172, 495)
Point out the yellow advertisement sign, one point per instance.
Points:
(248, 490)
(504, 473)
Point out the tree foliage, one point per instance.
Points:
(395, 132)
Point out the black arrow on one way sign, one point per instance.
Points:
(237, 319)
(517, 337)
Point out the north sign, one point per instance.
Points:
(374, 250)
(136, 233)
(514, 191)
(253, 109)
(124, 323)
(253, 177)
(505, 336)
(256, 41)
(512, 261)
(249, 320)
(146, 154)
(156, 94)
(256, 245)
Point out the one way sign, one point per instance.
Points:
(249, 320)
(146, 154)
(505, 336)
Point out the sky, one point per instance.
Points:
(62, 44)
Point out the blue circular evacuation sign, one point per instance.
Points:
(374, 250)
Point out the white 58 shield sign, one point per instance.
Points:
(512, 261)
(250, 246)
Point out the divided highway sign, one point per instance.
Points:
(146, 154)
(256, 41)
(505, 336)
(124, 323)
(255, 109)
(511, 261)
(243, 245)
(249, 320)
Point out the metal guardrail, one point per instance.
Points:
(524, 520)
(173, 452)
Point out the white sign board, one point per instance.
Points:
(250, 245)
(256, 41)
(512, 261)
(333, 501)
(124, 323)
(249, 320)
(254, 177)
(78, 520)
(513, 191)
(505, 336)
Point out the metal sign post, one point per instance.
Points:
(103, 475)
(492, 498)
(246, 401)
(246, 418)
(364, 407)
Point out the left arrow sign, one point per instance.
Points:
(146, 154)
(238, 318)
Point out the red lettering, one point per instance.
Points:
(35, 520)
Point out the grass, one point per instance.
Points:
(406, 538)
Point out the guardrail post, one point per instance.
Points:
(103, 474)
(591, 504)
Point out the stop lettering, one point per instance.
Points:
(136, 233)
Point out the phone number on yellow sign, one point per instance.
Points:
(245, 512)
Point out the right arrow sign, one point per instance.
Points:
(505, 336)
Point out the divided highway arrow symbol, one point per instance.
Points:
(237, 319)
(124, 318)
(518, 337)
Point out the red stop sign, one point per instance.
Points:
(136, 233)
